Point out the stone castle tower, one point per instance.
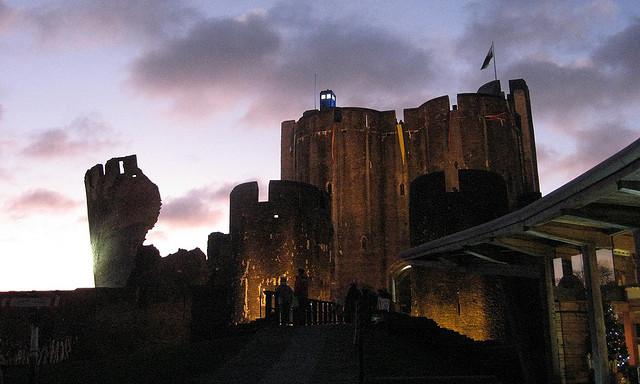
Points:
(371, 165)
(270, 239)
(122, 206)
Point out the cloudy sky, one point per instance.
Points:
(197, 89)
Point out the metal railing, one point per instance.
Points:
(309, 312)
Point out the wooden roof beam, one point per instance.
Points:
(631, 187)
(573, 235)
(603, 215)
(527, 271)
(482, 256)
(527, 247)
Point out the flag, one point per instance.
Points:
(487, 59)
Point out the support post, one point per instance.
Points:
(595, 315)
(636, 249)
(552, 337)
(567, 268)
(268, 305)
(630, 337)
(34, 352)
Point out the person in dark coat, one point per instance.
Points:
(366, 305)
(301, 291)
(350, 302)
(284, 295)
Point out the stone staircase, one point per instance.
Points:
(402, 350)
(435, 380)
(317, 354)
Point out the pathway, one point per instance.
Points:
(296, 355)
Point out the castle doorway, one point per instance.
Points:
(402, 290)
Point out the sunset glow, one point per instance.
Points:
(198, 90)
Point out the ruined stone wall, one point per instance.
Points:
(177, 270)
(122, 205)
(94, 322)
(274, 238)
(459, 301)
(219, 259)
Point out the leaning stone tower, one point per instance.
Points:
(122, 206)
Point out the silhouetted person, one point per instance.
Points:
(301, 291)
(284, 295)
(366, 305)
(350, 302)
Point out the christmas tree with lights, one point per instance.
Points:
(616, 347)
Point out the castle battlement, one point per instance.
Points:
(273, 238)
(285, 197)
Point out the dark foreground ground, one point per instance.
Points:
(402, 350)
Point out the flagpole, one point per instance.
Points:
(495, 73)
(315, 84)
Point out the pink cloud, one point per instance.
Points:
(593, 146)
(5, 174)
(7, 14)
(156, 236)
(83, 135)
(197, 208)
(41, 201)
(91, 22)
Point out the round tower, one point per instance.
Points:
(367, 162)
(341, 151)
(435, 213)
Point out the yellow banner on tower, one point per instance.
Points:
(401, 141)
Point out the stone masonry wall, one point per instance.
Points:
(274, 238)
(367, 162)
(459, 301)
(572, 333)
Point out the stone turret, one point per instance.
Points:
(274, 238)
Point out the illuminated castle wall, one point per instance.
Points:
(359, 187)
(274, 238)
(367, 162)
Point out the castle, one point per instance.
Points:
(358, 187)
(367, 198)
